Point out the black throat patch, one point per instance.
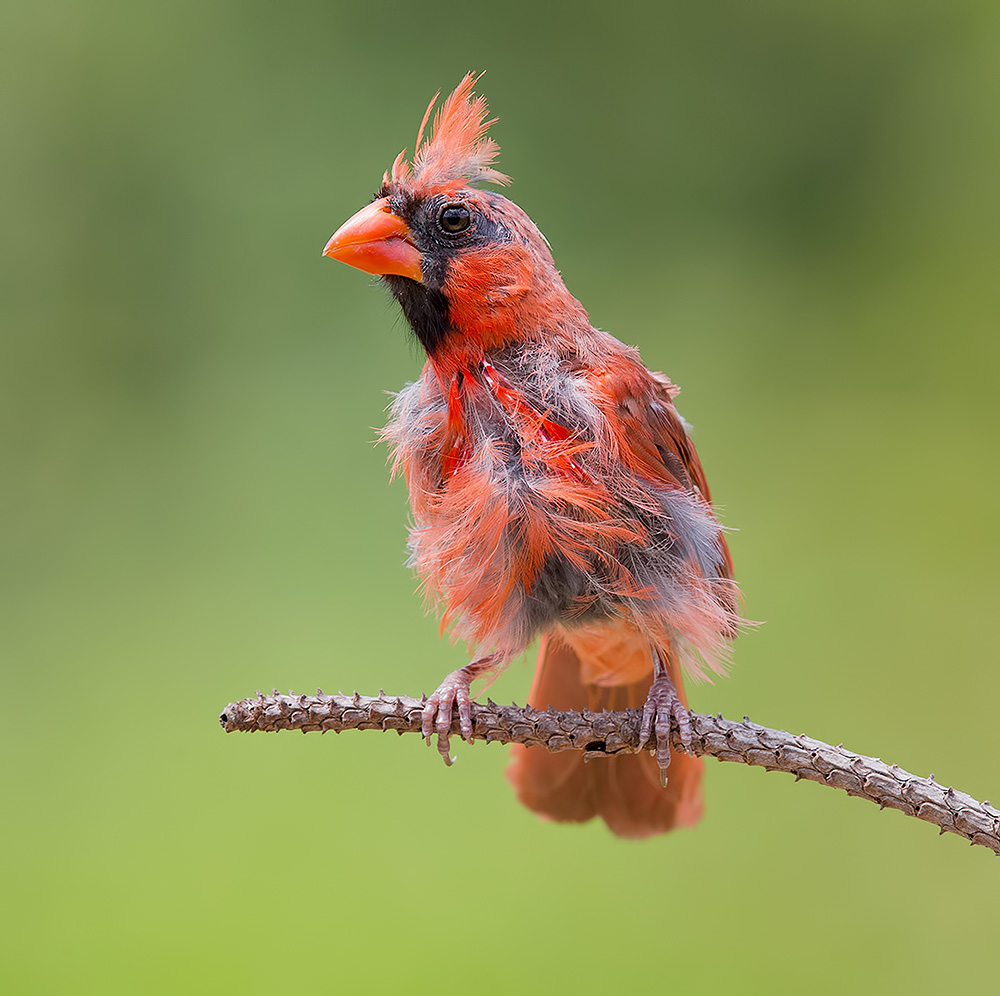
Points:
(426, 310)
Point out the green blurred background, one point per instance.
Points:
(791, 208)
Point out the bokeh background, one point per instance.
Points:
(791, 208)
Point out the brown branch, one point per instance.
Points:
(602, 734)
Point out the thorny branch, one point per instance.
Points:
(602, 734)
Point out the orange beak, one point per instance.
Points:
(376, 241)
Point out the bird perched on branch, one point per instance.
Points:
(555, 488)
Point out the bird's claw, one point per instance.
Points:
(663, 706)
(437, 714)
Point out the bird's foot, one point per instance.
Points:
(663, 706)
(437, 714)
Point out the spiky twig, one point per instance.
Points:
(605, 733)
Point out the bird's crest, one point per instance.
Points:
(458, 147)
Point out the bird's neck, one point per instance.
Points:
(483, 311)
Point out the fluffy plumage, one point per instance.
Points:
(555, 488)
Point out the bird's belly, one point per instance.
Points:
(511, 549)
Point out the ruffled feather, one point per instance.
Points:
(458, 148)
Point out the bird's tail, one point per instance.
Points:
(609, 667)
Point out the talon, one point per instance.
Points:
(437, 714)
(663, 708)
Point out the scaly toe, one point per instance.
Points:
(683, 719)
(443, 728)
(427, 718)
(465, 716)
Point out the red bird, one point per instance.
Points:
(555, 488)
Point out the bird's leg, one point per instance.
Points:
(454, 690)
(663, 705)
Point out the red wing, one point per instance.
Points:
(652, 438)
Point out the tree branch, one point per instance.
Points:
(602, 734)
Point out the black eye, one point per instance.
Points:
(453, 219)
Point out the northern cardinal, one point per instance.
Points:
(555, 489)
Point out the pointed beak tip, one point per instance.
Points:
(332, 245)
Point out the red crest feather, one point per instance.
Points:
(458, 147)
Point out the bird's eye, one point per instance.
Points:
(453, 219)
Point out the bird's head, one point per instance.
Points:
(468, 266)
